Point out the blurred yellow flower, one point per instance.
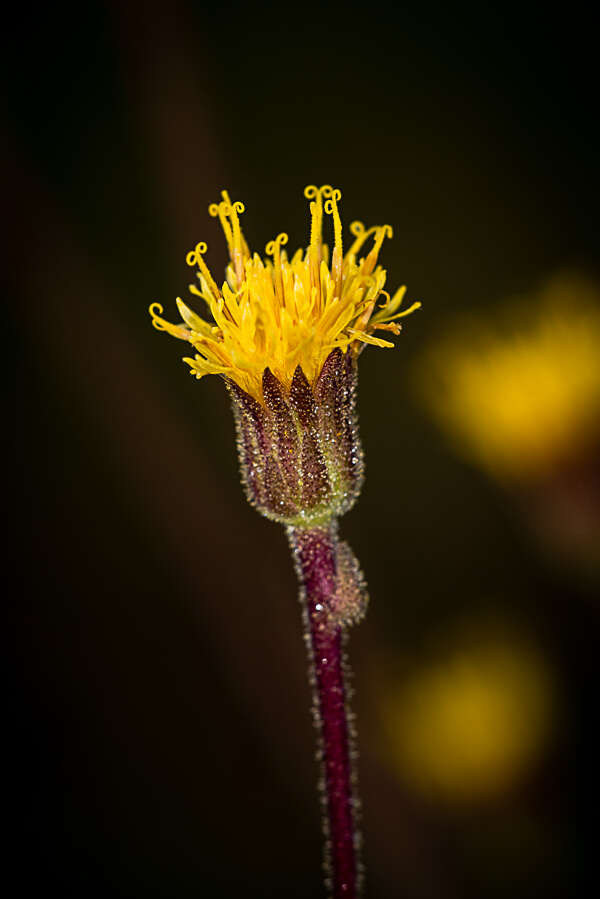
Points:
(470, 724)
(282, 313)
(521, 399)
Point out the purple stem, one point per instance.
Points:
(315, 552)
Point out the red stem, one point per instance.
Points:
(315, 552)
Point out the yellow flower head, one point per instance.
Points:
(491, 706)
(282, 312)
(522, 398)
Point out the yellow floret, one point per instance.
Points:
(521, 401)
(280, 312)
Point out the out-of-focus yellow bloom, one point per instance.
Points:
(470, 724)
(521, 399)
(280, 313)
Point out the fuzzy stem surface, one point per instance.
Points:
(316, 564)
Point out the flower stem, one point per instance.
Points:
(315, 551)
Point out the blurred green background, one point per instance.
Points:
(162, 737)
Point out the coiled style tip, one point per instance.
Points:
(194, 256)
(273, 245)
(155, 309)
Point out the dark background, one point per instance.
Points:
(161, 743)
